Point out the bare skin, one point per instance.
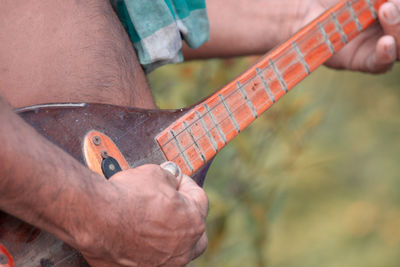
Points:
(255, 28)
(84, 55)
(77, 51)
(68, 51)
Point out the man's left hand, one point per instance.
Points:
(377, 48)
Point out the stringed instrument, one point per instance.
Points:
(111, 138)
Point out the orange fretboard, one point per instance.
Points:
(196, 137)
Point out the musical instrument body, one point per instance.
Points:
(132, 130)
(190, 137)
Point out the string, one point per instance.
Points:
(236, 90)
(295, 61)
(324, 23)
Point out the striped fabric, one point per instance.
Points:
(157, 28)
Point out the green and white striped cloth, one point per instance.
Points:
(157, 28)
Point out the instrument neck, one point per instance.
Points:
(196, 137)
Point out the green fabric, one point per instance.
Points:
(157, 28)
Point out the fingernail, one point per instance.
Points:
(391, 14)
(171, 167)
(391, 51)
(174, 170)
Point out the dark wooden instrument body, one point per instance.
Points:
(132, 130)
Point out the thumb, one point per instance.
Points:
(174, 169)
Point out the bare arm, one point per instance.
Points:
(43, 185)
(110, 222)
(248, 27)
(78, 52)
(240, 27)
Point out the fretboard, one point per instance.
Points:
(195, 138)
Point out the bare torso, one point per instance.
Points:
(51, 54)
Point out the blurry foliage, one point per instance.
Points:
(315, 181)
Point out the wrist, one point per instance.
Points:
(88, 218)
(99, 215)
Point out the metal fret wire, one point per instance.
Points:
(324, 23)
(340, 11)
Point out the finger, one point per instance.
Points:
(389, 16)
(174, 170)
(384, 56)
(191, 190)
(200, 246)
(169, 177)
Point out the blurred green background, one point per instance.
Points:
(315, 181)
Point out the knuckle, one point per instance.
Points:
(200, 246)
(154, 171)
(203, 244)
(196, 221)
(201, 197)
(202, 228)
(199, 225)
(182, 261)
(203, 203)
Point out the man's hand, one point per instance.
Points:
(138, 218)
(149, 222)
(273, 22)
(377, 48)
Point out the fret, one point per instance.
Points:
(354, 16)
(339, 28)
(302, 60)
(203, 158)
(372, 9)
(326, 38)
(181, 151)
(203, 124)
(266, 86)
(246, 97)
(230, 113)
(278, 74)
(215, 123)
(212, 124)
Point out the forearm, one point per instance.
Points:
(43, 185)
(249, 27)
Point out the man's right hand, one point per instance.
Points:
(149, 222)
(138, 218)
